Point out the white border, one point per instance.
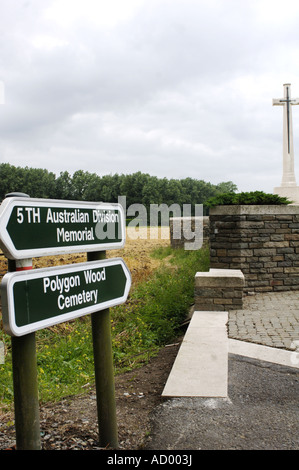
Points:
(11, 252)
(9, 279)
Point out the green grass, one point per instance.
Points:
(149, 319)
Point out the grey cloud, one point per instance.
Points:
(154, 93)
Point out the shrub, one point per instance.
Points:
(247, 198)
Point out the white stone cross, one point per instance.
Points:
(288, 176)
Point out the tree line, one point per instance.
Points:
(139, 188)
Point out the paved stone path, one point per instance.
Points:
(270, 319)
(260, 410)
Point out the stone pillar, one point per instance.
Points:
(219, 290)
(177, 233)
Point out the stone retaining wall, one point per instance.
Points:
(261, 241)
(177, 236)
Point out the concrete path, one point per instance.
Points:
(260, 410)
(267, 320)
(200, 368)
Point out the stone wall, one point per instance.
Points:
(177, 236)
(219, 290)
(261, 241)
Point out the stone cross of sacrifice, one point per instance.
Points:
(288, 175)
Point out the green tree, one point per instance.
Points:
(84, 185)
(173, 193)
(132, 186)
(39, 182)
(140, 188)
(63, 186)
(109, 188)
(10, 179)
(226, 187)
(36, 182)
(151, 193)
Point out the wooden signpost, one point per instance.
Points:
(33, 299)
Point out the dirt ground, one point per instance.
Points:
(71, 424)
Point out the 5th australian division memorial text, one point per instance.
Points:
(65, 216)
(75, 217)
(54, 227)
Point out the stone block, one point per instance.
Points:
(220, 278)
(221, 252)
(278, 237)
(276, 283)
(223, 301)
(276, 244)
(219, 288)
(206, 293)
(253, 224)
(284, 217)
(264, 252)
(293, 270)
(281, 251)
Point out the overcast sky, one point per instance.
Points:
(173, 88)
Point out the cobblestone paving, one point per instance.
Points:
(270, 319)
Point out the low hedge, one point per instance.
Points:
(247, 198)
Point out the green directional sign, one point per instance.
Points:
(39, 298)
(32, 227)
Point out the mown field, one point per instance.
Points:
(159, 301)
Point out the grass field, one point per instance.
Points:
(161, 294)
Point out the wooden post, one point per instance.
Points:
(25, 388)
(104, 371)
(25, 381)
